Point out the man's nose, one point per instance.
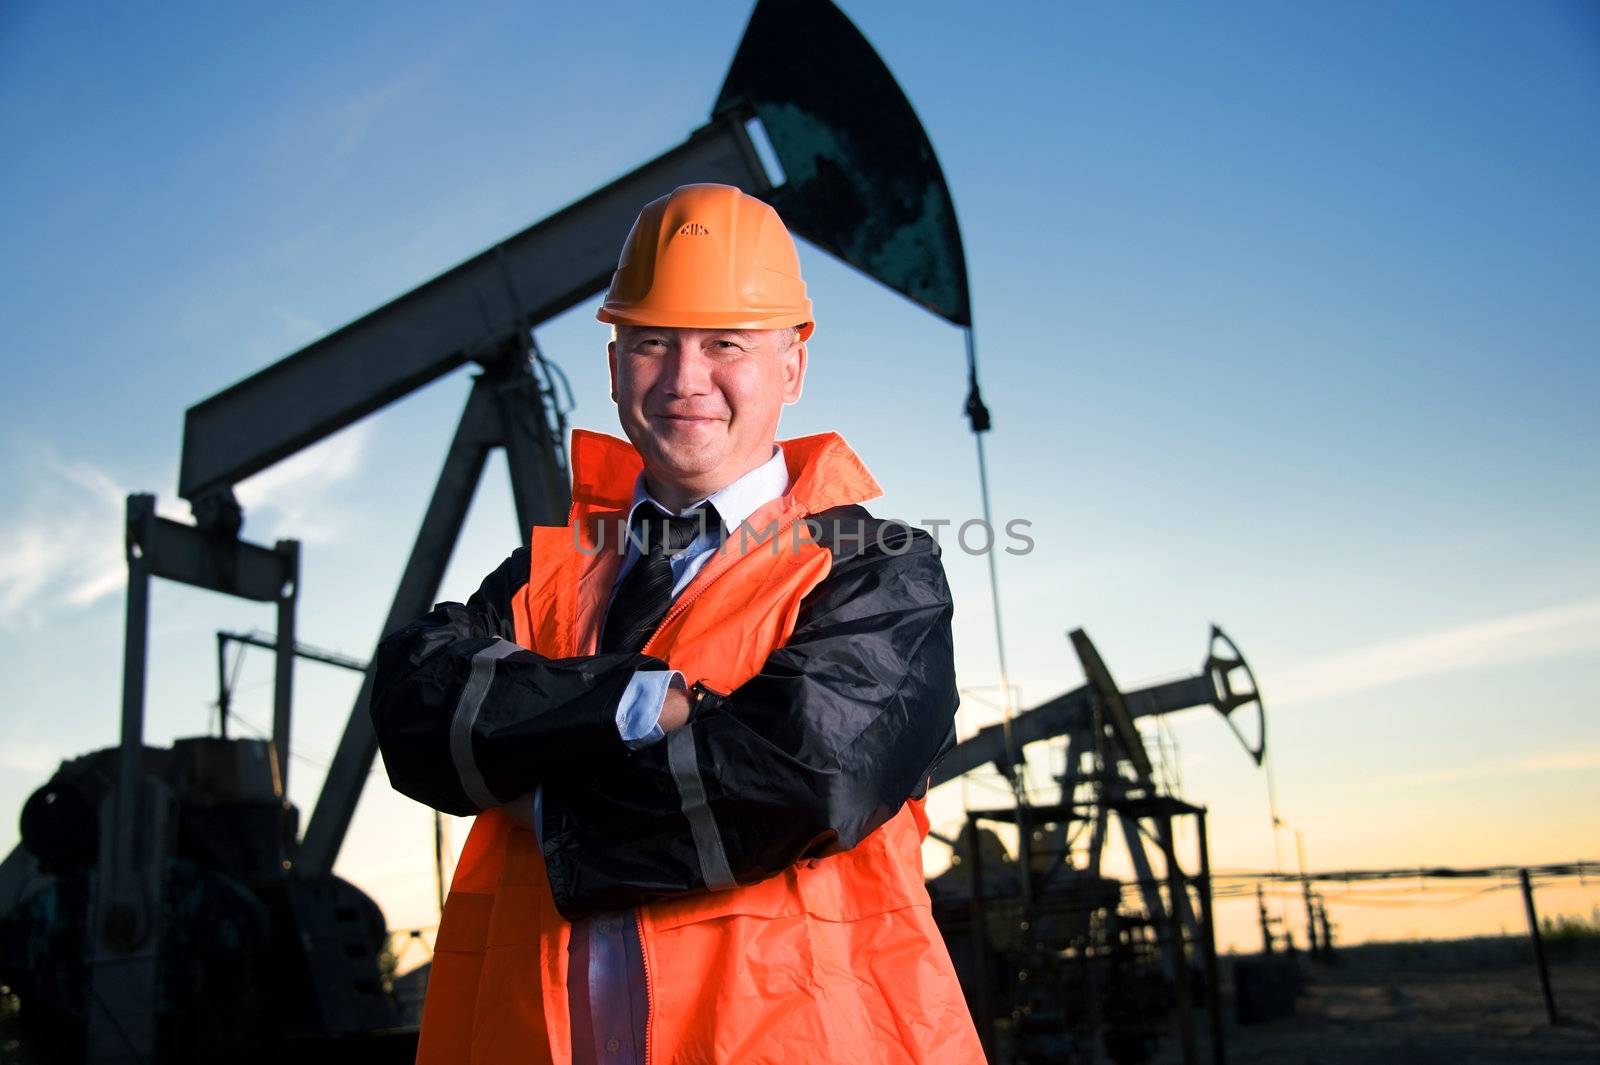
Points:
(687, 372)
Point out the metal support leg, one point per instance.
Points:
(504, 408)
(125, 909)
(135, 653)
(476, 433)
(1097, 838)
(1208, 943)
(1181, 908)
(980, 942)
(1025, 856)
(1149, 890)
(283, 685)
(1180, 964)
(1071, 775)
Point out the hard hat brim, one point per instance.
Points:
(710, 320)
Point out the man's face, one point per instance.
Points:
(702, 405)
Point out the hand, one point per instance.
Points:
(674, 710)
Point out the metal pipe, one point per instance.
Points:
(301, 650)
(224, 693)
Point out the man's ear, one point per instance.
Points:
(611, 361)
(794, 372)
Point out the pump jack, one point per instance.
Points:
(1048, 958)
(135, 859)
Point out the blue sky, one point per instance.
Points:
(1286, 315)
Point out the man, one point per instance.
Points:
(696, 722)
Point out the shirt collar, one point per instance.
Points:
(734, 502)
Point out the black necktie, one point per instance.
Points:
(645, 593)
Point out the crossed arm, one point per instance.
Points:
(841, 725)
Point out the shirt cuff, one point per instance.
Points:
(639, 711)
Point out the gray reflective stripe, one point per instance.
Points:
(685, 765)
(461, 725)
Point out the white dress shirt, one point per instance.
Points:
(639, 712)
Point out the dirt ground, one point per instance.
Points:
(1464, 1003)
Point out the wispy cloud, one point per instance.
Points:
(296, 497)
(1511, 640)
(1540, 764)
(353, 117)
(64, 545)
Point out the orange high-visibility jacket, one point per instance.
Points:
(771, 848)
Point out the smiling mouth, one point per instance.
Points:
(687, 419)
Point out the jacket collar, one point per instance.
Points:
(823, 472)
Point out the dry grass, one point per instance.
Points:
(1466, 1002)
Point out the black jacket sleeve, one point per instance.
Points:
(466, 719)
(841, 726)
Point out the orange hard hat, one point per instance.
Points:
(709, 257)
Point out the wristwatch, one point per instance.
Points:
(700, 694)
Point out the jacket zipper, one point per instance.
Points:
(649, 991)
(683, 604)
(644, 951)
